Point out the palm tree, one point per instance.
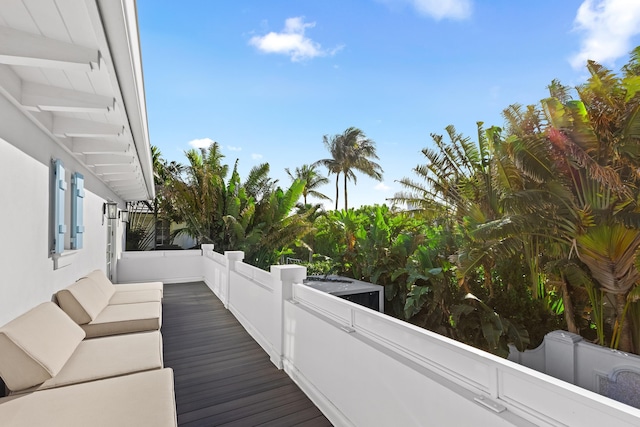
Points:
(333, 164)
(583, 190)
(197, 191)
(596, 139)
(350, 151)
(312, 180)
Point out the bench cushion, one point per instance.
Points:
(102, 281)
(128, 287)
(109, 288)
(148, 295)
(125, 319)
(82, 301)
(108, 357)
(35, 346)
(143, 399)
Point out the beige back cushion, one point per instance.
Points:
(35, 346)
(103, 282)
(83, 300)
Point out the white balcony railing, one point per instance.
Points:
(363, 368)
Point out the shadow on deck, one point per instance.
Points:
(222, 376)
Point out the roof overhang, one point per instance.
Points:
(75, 69)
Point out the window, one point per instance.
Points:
(163, 232)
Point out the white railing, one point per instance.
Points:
(363, 368)
(570, 358)
(165, 266)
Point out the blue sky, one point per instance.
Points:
(267, 79)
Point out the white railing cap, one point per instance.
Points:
(289, 273)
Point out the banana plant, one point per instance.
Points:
(478, 324)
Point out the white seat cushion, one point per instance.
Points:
(125, 319)
(35, 346)
(108, 357)
(143, 399)
(82, 301)
(102, 281)
(147, 295)
(128, 287)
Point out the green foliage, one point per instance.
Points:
(321, 266)
(312, 180)
(409, 256)
(255, 216)
(350, 151)
(478, 324)
(530, 228)
(555, 197)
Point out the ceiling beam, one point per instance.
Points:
(125, 186)
(80, 145)
(132, 196)
(71, 127)
(130, 176)
(31, 50)
(10, 82)
(108, 159)
(38, 97)
(114, 169)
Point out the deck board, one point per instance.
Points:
(222, 376)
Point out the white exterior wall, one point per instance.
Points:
(28, 276)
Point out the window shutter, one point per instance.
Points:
(60, 186)
(77, 213)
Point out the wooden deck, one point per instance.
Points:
(222, 376)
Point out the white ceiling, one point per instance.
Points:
(74, 68)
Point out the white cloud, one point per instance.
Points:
(201, 143)
(438, 9)
(608, 26)
(232, 148)
(381, 186)
(292, 41)
(256, 156)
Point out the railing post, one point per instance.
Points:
(560, 355)
(232, 258)
(284, 276)
(206, 248)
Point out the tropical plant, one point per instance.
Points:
(141, 226)
(479, 325)
(350, 151)
(274, 228)
(572, 193)
(466, 182)
(196, 191)
(312, 179)
(596, 141)
(409, 257)
(255, 216)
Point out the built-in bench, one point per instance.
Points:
(54, 376)
(102, 308)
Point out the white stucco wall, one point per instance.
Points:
(27, 274)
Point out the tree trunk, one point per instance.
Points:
(488, 282)
(623, 324)
(345, 192)
(337, 188)
(569, 313)
(462, 282)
